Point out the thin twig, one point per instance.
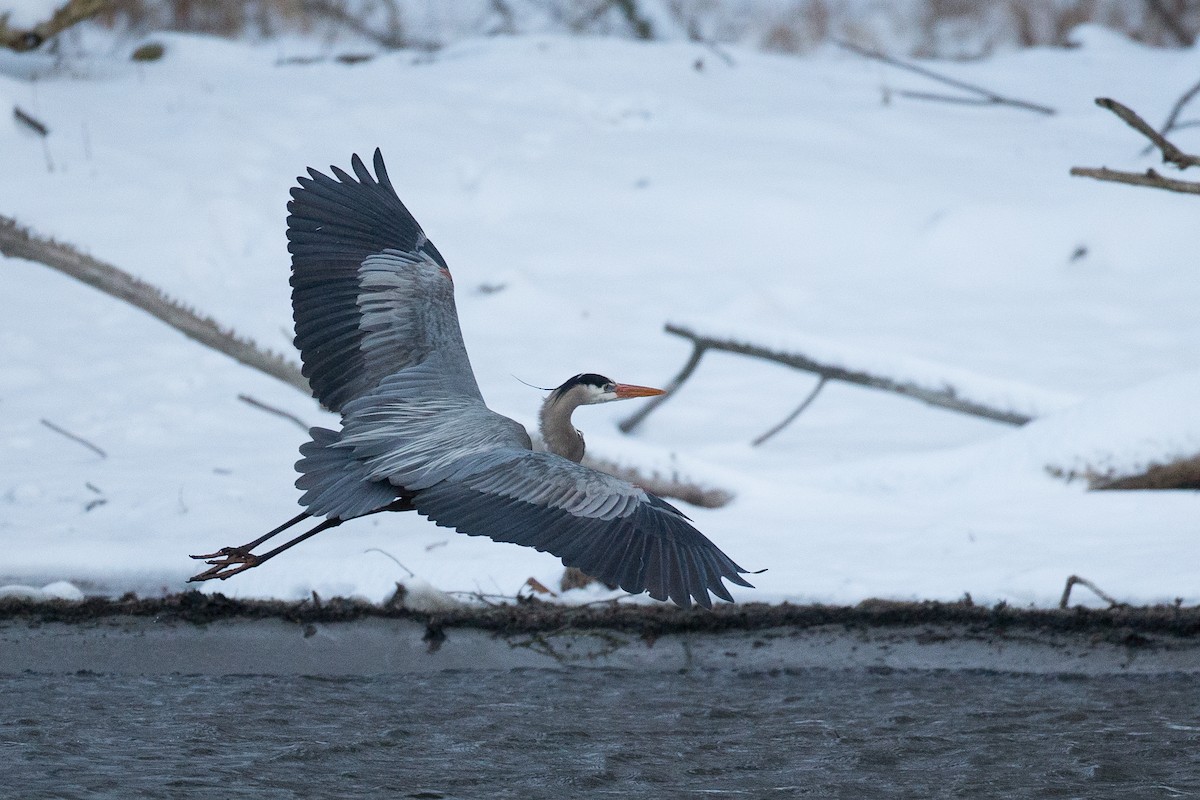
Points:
(411, 574)
(1074, 579)
(245, 398)
(992, 97)
(1170, 153)
(792, 417)
(75, 438)
(1148, 178)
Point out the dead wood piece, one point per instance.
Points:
(17, 242)
(1075, 579)
(990, 97)
(943, 396)
(1182, 473)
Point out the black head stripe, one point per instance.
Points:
(583, 379)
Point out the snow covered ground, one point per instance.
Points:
(585, 192)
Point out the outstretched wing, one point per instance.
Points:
(471, 469)
(605, 526)
(371, 295)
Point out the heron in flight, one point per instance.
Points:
(378, 333)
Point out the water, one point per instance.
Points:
(596, 733)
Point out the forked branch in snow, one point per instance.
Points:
(983, 96)
(1171, 154)
(17, 242)
(943, 396)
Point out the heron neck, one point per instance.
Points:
(558, 434)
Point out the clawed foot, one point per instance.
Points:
(226, 562)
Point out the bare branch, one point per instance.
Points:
(1148, 178)
(16, 242)
(1171, 153)
(943, 396)
(991, 98)
(70, 13)
(74, 438)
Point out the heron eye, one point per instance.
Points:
(610, 387)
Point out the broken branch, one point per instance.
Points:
(944, 396)
(17, 242)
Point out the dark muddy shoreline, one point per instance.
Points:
(1129, 626)
(194, 633)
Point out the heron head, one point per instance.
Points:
(591, 388)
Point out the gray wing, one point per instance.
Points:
(471, 469)
(371, 295)
(605, 526)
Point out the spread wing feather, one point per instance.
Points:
(357, 251)
(651, 547)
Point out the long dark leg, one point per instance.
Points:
(237, 560)
(248, 546)
(229, 561)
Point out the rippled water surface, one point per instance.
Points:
(595, 733)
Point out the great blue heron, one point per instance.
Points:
(378, 333)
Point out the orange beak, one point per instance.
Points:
(625, 390)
